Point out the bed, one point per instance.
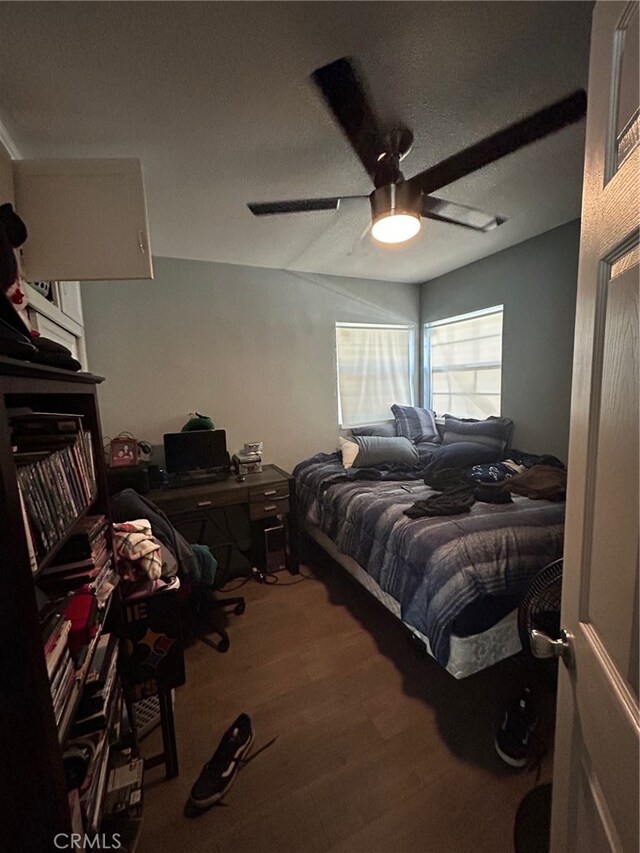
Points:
(454, 581)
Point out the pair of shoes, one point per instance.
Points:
(219, 772)
(513, 738)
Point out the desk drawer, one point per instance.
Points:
(269, 506)
(176, 503)
(264, 494)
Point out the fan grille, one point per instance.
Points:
(540, 607)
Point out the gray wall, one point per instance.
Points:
(536, 282)
(253, 348)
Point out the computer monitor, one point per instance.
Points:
(196, 450)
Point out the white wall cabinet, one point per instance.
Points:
(87, 219)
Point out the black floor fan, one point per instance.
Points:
(539, 611)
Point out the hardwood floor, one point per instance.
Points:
(377, 752)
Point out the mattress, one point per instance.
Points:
(467, 655)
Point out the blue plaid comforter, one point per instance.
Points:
(434, 567)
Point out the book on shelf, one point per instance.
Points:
(51, 627)
(58, 650)
(33, 560)
(64, 691)
(57, 676)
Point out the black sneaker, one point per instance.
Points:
(218, 774)
(513, 738)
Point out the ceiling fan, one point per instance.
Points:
(397, 205)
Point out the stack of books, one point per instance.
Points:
(60, 664)
(99, 713)
(93, 789)
(96, 706)
(86, 558)
(56, 474)
(122, 810)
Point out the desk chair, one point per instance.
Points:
(209, 604)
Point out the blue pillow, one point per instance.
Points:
(379, 450)
(386, 429)
(414, 423)
(492, 432)
(462, 454)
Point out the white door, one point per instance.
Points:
(595, 786)
(87, 219)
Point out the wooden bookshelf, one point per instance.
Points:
(32, 783)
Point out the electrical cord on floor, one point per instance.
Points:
(300, 579)
(268, 579)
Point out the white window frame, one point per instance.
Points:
(408, 327)
(427, 395)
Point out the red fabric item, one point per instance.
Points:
(81, 612)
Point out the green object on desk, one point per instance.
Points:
(198, 421)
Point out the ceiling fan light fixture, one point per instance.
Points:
(396, 227)
(395, 210)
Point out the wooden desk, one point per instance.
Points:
(266, 495)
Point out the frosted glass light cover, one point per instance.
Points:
(396, 228)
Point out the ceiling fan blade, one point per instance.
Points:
(302, 205)
(458, 214)
(347, 100)
(518, 135)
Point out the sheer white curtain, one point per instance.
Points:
(463, 364)
(375, 366)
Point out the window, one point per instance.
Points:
(463, 364)
(375, 370)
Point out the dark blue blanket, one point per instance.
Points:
(434, 567)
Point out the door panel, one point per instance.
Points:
(595, 790)
(615, 503)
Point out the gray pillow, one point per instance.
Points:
(385, 429)
(378, 450)
(494, 433)
(415, 423)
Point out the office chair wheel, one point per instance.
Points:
(223, 645)
(239, 609)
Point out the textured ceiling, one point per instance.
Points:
(215, 99)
